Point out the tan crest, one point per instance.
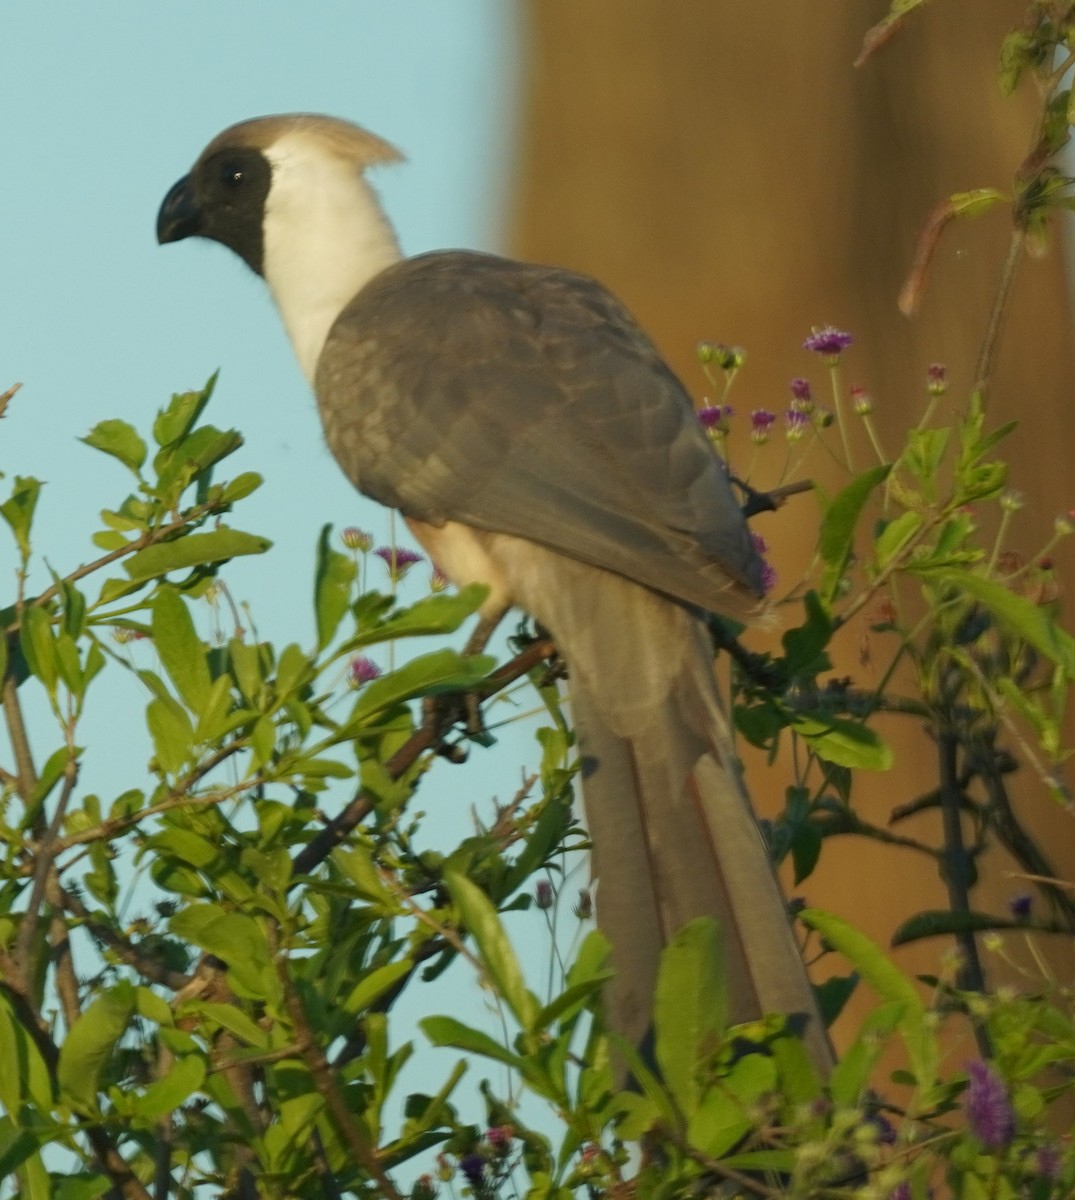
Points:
(340, 138)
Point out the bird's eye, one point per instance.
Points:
(232, 174)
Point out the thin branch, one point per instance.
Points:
(16, 728)
(44, 858)
(125, 950)
(983, 371)
(425, 738)
(956, 874)
(350, 1130)
(150, 538)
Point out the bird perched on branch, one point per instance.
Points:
(535, 442)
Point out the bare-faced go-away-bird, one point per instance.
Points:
(536, 443)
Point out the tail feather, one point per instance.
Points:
(670, 846)
(673, 832)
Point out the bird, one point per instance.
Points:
(535, 442)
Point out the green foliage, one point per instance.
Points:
(229, 1026)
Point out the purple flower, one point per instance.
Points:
(801, 395)
(761, 421)
(362, 670)
(828, 341)
(936, 379)
(768, 577)
(1020, 905)
(398, 560)
(989, 1111)
(543, 894)
(357, 539)
(438, 581)
(714, 419)
(473, 1167)
(584, 909)
(768, 571)
(795, 423)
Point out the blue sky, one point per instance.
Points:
(105, 106)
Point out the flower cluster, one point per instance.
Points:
(989, 1111)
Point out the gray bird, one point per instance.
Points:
(534, 441)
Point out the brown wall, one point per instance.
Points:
(726, 171)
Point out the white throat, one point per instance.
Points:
(325, 237)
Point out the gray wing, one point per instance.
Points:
(525, 400)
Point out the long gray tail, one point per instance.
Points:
(675, 838)
(673, 832)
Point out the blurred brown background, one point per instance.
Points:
(726, 170)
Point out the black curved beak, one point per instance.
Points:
(179, 215)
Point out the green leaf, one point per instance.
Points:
(120, 440)
(852, 1074)
(690, 1008)
(191, 456)
(38, 646)
(427, 674)
(372, 986)
(241, 486)
(16, 1146)
(833, 994)
(194, 550)
(90, 1042)
(333, 578)
(18, 511)
(447, 1031)
(942, 922)
(570, 1001)
(843, 742)
(183, 410)
(237, 939)
(890, 983)
(895, 535)
(231, 1018)
(24, 1076)
(172, 733)
(167, 1094)
(494, 949)
(723, 1116)
(837, 532)
(182, 652)
(804, 646)
(1017, 614)
(432, 615)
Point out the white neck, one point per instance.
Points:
(325, 238)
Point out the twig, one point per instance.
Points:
(149, 968)
(44, 858)
(970, 975)
(983, 370)
(350, 1130)
(424, 738)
